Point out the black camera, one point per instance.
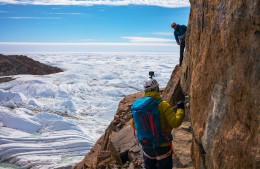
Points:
(151, 74)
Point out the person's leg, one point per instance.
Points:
(182, 46)
(153, 163)
(149, 163)
(166, 163)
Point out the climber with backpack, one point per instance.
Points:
(153, 119)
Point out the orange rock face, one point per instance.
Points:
(221, 73)
(173, 92)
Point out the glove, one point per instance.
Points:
(180, 105)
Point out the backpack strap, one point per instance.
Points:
(172, 147)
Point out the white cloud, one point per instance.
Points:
(164, 3)
(147, 40)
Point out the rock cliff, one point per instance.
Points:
(19, 64)
(221, 73)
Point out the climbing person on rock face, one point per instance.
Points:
(179, 33)
(153, 119)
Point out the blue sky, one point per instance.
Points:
(89, 25)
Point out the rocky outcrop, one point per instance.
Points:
(6, 79)
(182, 135)
(19, 64)
(182, 146)
(118, 147)
(173, 92)
(104, 153)
(221, 73)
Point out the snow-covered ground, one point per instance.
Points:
(53, 120)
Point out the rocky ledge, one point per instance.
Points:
(19, 64)
(118, 147)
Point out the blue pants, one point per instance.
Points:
(165, 163)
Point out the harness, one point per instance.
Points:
(161, 157)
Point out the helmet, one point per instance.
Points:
(151, 85)
(173, 24)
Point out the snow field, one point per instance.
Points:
(53, 120)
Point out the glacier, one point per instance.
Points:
(52, 121)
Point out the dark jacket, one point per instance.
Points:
(179, 33)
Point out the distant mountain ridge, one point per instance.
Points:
(20, 64)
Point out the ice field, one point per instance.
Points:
(53, 120)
